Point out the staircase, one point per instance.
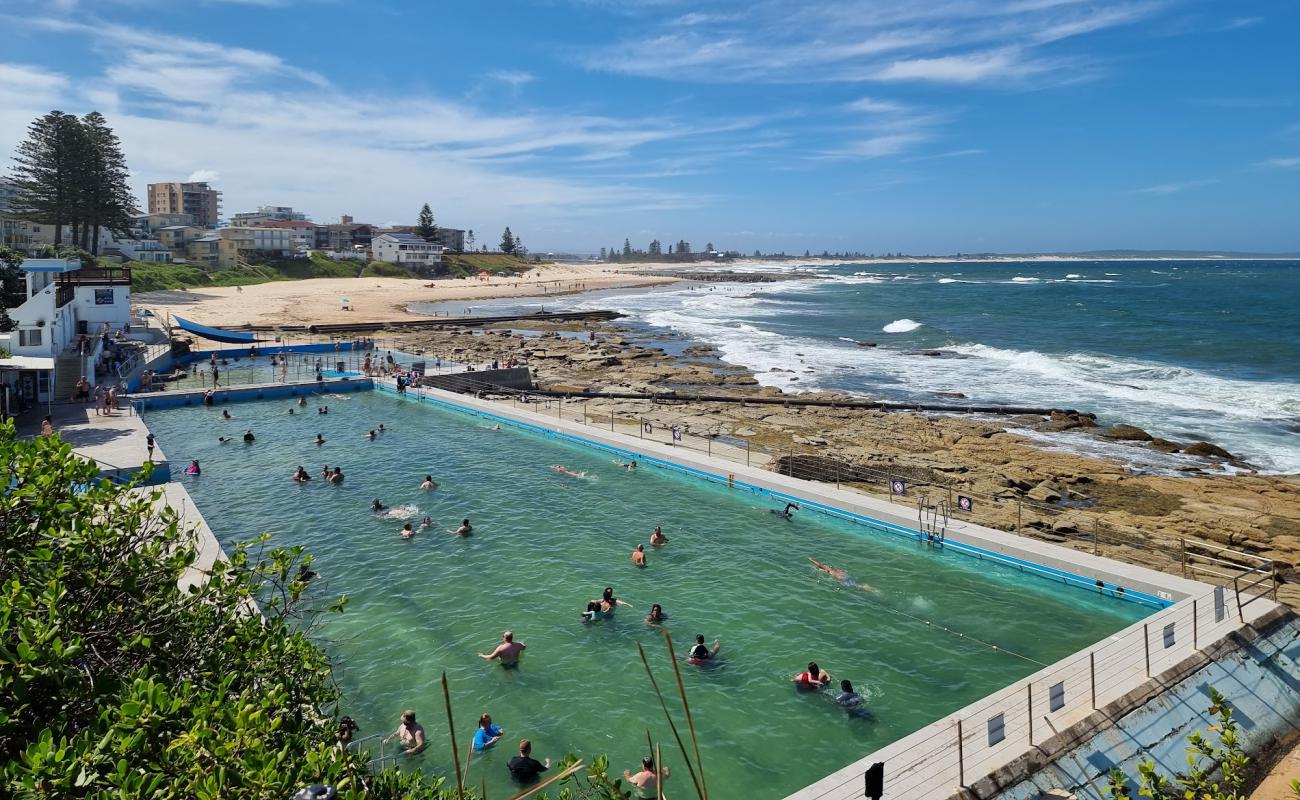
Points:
(67, 371)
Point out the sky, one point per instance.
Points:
(878, 126)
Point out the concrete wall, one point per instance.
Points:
(514, 378)
(194, 397)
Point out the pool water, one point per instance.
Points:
(545, 543)
(242, 370)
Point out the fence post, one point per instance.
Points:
(1096, 531)
(642, 421)
(1029, 705)
(747, 452)
(1146, 647)
(837, 474)
(1019, 527)
(961, 757)
(709, 441)
(1194, 647)
(1092, 676)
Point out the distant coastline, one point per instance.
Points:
(814, 261)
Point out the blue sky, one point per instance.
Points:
(890, 125)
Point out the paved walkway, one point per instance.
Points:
(114, 441)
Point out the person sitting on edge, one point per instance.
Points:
(657, 539)
(487, 734)
(523, 767)
(428, 483)
(638, 555)
(813, 678)
(646, 781)
(656, 615)
(465, 528)
(699, 653)
(508, 651)
(410, 732)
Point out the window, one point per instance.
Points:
(29, 337)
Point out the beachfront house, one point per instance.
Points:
(408, 250)
(58, 328)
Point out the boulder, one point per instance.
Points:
(1207, 450)
(1164, 446)
(1127, 433)
(1044, 492)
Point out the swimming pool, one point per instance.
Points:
(545, 543)
(236, 368)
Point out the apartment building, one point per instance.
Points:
(266, 214)
(200, 201)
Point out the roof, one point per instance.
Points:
(27, 362)
(285, 223)
(50, 264)
(404, 238)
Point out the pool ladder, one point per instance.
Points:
(379, 762)
(932, 519)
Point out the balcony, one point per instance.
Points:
(95, 276)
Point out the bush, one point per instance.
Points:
(383, 269)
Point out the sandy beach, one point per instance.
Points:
(319, 300)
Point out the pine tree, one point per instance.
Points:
(709, 247)
(520, 251)
(627, 247)
(47, 168)
(106, 200)
(424, 227)
(507, 241)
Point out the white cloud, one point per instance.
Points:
(1173, 188)
(204, 176)
(1281, 163)
(871, 105)
(512, 77)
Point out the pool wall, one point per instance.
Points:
(257, 391)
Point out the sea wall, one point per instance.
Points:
(518, 378)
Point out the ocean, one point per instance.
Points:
(1187, 350)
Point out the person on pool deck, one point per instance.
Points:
(638, 555)
(843, 577)
(429, 483)
(377, 506)
(508, 651)
(193, 468)
(336, 476)
(700, 653)
(786, 512)
(225, 414)
(656, 615)
(465, 528)
(646, 781)
(248, 436)
(408, 530)
(300, 475)
(523, 767)
(487, 734)
(410, 732)
(320, 440)
(813, 678)
(657, 539)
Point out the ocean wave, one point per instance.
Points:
(1074, 276)
(901, 326)
(1020, 279)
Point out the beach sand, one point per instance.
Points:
(318, 300)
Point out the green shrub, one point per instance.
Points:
(383, 269)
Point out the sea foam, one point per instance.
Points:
(901, 326)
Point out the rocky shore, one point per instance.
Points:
(1075, 500)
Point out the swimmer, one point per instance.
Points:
(593, 611)
(495, 427)
(336, 476)
(563, 470)
(786, 512)
(465, 528)
(248, 436)
(408, 531)
(812, 678)
(638, 555)
(426, 523)
(656, 615)
(193, 468)
(371, 435)
(843, 577)
(381, 427)
(291, 412)
(507, 652)
(325, 472)
(225, 414)
(320, 440)
(608, 602)
(700, 653)
(429, 483)
(222, 439)
(302, 401)
(410, 732)
(657, 539)
(300, 475)
(847, 697)
(376, 506)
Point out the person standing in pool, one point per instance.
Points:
(248, 436)
(465, 528)
(508, 651)
(429, 483)
(847, 697)
(410, 732)
(376, 506)
(812, 678)
(225, 414)
(700, 653)
(300, 475)
(647, 780)
(524, 768)
(320, 440)
(657, 539)
(487, 734)
(656, 615)
(408, 530)
(608, 602)
(638, 555)
(336, 477)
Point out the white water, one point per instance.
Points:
(901, 326)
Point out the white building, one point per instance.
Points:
(63, 302)
(405, 249)
(268, 214)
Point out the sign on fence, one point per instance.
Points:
(897, 486)
(965, 503)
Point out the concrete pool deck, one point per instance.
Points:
(116, 442)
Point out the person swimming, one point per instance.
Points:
(429, 483)
(193, 468)
(376, 506)
(408, 530)
(371, 434)
(336, 476)
(320, 440)
(608, 602)
(812, 678)
(381, 427)
(843, 577)
(465, 528)
(563, 470)
(657, 539)
(300, 475)
(701, 653)
(656, 615)
(225, 414)
(249, 438)
(638, 555)
(786, 511)
(302, 401)
(847, 697)
(291, 412)
(222, 439)
(427, 522)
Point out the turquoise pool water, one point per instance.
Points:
(545, 543)
(242, 370)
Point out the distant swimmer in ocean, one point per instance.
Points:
(465, 528)
(300, 475)
(408, 530)
(320, 440)
(700, 653)
(381, 427)
(638, 555)
(495, 427)
(851, 701)
(222, 439)
(563, 470)
(507, 652)
(787, 512)
(376, 506)
(302, 401)
(291, 412)
(843, 577)
(657, 539)
(429, 483)
(325, 472)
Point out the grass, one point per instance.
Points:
(460, 265)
